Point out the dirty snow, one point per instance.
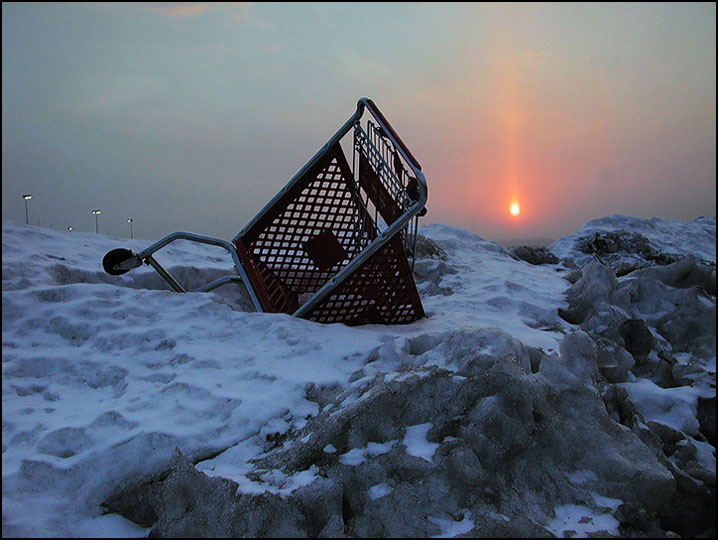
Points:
(103, 377)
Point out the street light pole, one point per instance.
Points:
(132, 235)
(27, 216)
(97, 227)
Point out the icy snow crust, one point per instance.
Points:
(514, 409)
(665, 236)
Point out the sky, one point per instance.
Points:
(192, 116)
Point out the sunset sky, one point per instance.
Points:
(192, 116)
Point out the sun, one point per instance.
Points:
(514, 209)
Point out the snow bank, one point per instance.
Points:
(520, 406)
(630, 241)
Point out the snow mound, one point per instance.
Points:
(522, 405)
(626, 243)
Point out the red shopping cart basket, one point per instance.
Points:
(337, 243)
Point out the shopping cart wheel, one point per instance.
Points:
(120, 261)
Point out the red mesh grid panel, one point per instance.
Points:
(381, 291)
(309, 234)
(377, 192)
(277, 247)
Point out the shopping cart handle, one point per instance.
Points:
(387, 127)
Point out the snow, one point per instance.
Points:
(581, 477)
(377, 491)
(451, 528)
(103, 377)
(416, 443)
(673, 407)
(578, 521)
(696, 237)
(289, 483)
(356, 456)
(493, 290)
(607, 503)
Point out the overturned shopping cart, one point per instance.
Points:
(337, 243)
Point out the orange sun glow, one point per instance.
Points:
(514, 209)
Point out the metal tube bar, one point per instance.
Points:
(165, 274)
(330, 144)
(389, 130)
(386, 235)
(370, 250)
(399, 144)
(219, 282)
(363, 103)
(211, 241)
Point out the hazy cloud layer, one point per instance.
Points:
(191, 116)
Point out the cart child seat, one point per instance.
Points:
(337, 243)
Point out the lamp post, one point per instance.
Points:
(132, 235)
(97, 227)
(27, 217)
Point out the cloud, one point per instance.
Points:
(180, 9)
(604, 176)
(240, 10)
(606, 62)
(110, 93)
(535, 57)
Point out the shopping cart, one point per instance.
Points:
(337, 243)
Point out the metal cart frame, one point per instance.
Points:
(337, 243)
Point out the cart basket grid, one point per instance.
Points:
(337, 243)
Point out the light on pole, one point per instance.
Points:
(70, 228)
(97, 227)
(132, 234)
(27, 217)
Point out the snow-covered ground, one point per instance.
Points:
(664, 236)
(104, 377)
